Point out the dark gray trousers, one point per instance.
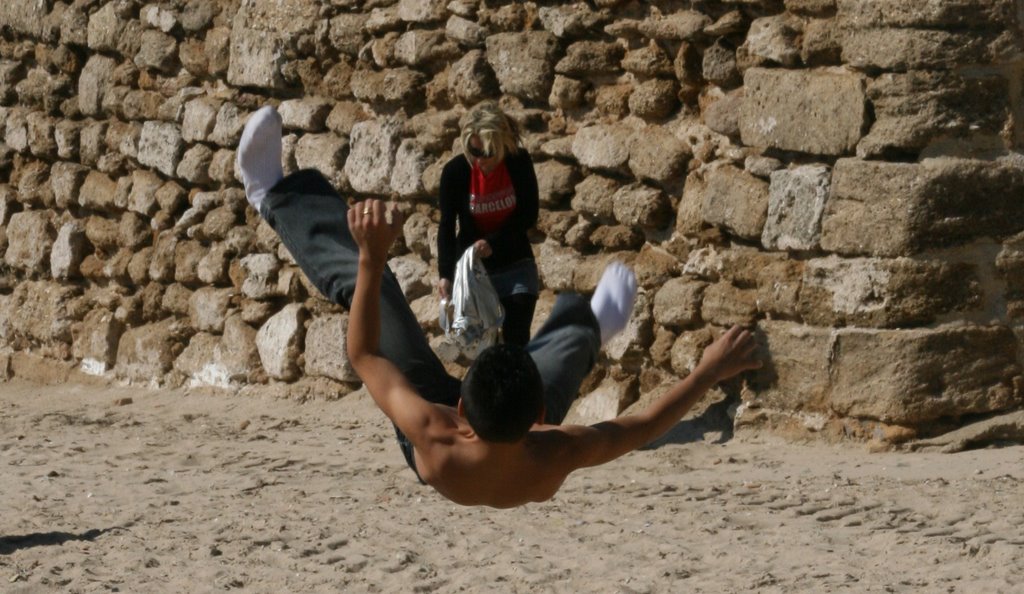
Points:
(311, 220)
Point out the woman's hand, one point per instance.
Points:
(368, 223)
(482, 248)
(444, 288)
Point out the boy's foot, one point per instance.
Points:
(259, 154)
(612, 302)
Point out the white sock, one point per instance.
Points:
(612, 302)
(259, 154)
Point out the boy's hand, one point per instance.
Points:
(368, 223)
(731, 354)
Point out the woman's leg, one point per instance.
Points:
(518, 318)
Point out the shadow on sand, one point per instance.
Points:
(10, 544)
(714, 425)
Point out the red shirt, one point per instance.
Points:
(491, 198)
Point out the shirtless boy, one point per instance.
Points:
(494, 438)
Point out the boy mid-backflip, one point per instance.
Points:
(494, 438)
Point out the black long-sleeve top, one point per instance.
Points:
(509, 243)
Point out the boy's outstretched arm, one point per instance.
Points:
(731, 354)
(393, 394)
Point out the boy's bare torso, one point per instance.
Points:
(471, 471)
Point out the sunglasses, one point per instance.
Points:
(480, 153)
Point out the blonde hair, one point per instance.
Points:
(496, 131)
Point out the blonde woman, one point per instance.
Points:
(491, 191)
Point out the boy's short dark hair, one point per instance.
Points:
(502, 393)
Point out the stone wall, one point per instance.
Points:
(845, 174)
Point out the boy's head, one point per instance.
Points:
(502, 394)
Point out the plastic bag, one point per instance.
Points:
(472, 319)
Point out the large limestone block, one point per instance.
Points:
(897, 209)
(778, 288)
(94, 82)
(658, 155)
(259, 276)
(679, 25)
(347, 33)
(795, 375)
(158, 51)
(654, 99)
(420, 48)
(413, 275)
(95, 341)
(30, 237)
(916, 108)
(279, 342)
(603, 146)
(910, 377)
(648, 60)
(590, 58)
(26, 16)
(256, 58)
(222, 360)
(323, 152)
(42, 311)
(555, 181)
(260, 32)
(725, 304)
(146, 353)
(161, 147)
(104, 28)
(523, 63)
(69, 249)
(34, 188)
(631, 346)
(41, 140)
(308, 114)
(66, 181)
(208, 308)
(372, 157)
(199, 119)
(593, 196)
(821, 112)
(227, 130)
(161, 265)
(411, 160)
(556, 266)
(643, 206)
(920, 49)
(884, 292)
(566, 93)
(735, 200)
(604, 403)
(796, 203)
(422, 11)
(925, 14)
(326, 354)
(677, 302)
(471, 79)
(465, 32)
(687, 350)
(774, 39)
(569, 20)
(391, 86)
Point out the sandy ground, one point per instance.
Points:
(193, 492)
